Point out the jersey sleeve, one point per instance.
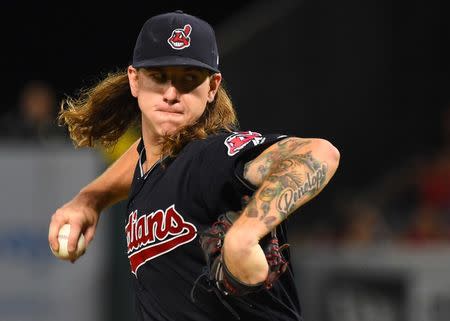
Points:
(222, 162)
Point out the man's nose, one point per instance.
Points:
(171, 93)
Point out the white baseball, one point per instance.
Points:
(63, 238)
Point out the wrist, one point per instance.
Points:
(240, 241)
(244, 258)
(91, 199)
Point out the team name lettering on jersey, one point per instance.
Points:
(238, 140)
(155, 234)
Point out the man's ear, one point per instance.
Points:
(214, 84)
(133, 80)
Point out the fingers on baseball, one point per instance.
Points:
(55, 225)
(89, 235)
(75, 233)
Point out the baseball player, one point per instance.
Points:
(207, 203)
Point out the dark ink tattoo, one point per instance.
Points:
(290, 176)
(252, 211)
(312, 184)
(295, 177)
(265, 208)
(270, 222)
(263, 170)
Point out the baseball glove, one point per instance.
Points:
(217, 273)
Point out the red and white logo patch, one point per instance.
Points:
(155, 234)
(238, 140)
(179, 39)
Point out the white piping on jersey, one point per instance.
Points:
(244, 182)
(141, 168)
(140, 162)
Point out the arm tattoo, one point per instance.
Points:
(290, 177)
(296, 177)
(266, 160)
(252, 210)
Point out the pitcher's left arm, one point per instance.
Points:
(288, 174)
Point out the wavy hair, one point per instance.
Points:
(102, 113)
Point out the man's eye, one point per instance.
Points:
(158, 77)
(190, 78)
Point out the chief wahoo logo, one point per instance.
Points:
(238, 140)
(180, 38)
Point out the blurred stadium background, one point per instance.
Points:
(370, 76)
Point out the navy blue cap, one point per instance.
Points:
(176, 39)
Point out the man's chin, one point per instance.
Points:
(169, 130)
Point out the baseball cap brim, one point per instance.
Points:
(176, 61)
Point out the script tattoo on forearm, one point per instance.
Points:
(313, 182)
(296, 176)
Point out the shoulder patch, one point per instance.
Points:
(238, 140)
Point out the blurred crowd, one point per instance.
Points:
(409, 205)
(33, 118)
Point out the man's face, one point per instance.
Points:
(172, 97)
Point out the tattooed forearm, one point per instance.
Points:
(288, 175)
(289, 144)
(295, 178)
(281, 153)
(263, 170)
(270, 221)
(313, 183)
(252, 210)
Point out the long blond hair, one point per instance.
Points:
(102, 113)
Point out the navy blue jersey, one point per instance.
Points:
(173, 201)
